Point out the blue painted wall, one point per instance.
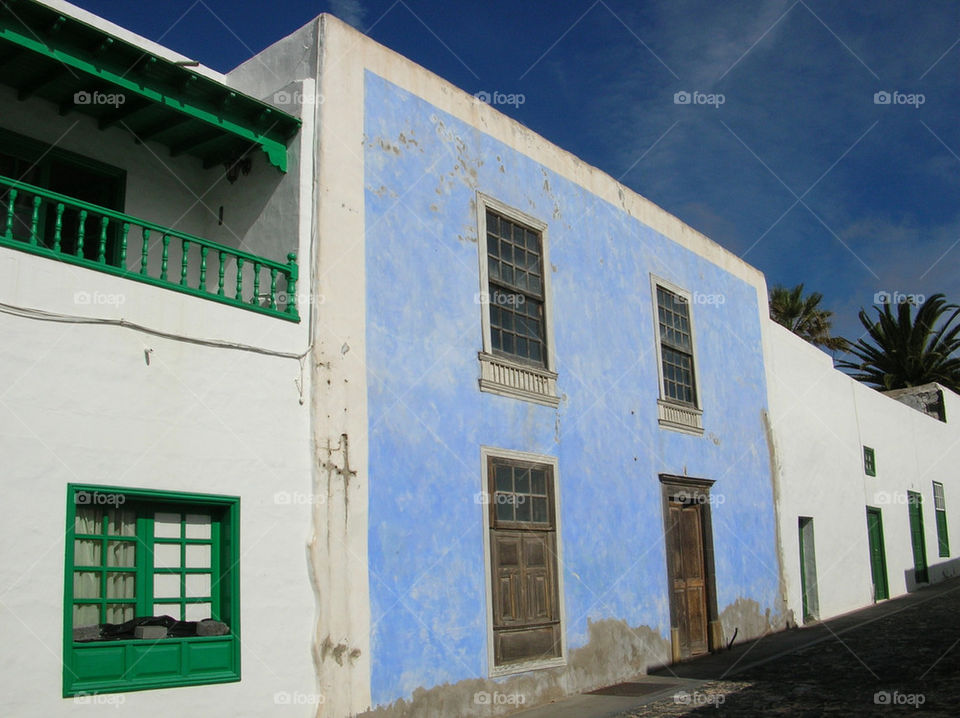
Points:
(428, 418)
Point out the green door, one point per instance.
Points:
(916, 537)
(808, 570)
(878, 558)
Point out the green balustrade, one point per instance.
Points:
(53, 225)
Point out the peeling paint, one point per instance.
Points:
(614, 653)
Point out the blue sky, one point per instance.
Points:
(799, 171)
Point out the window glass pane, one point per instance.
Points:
(86, 584)
(522, 481)
(86, 615)
(198, 526)
(506, 252)
(167, 609)
(197, 585)
(197, 611)
(166, 555)
(504, 478)
(504, 507)
(121, 522)
(121, 585)
(166, 525)
(89, 520)
(121, 553)
(493, 222)
(87, 552)
(540, 510)
(538, 482)
(493, 267)
(166, 585)
(508, 344)
(198, 556)
(506, 274)
(523, 508)
(120, 612)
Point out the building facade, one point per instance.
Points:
(331, 390)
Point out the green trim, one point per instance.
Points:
(869, 461)
(216, 659)
(35, 245)
(78, 57)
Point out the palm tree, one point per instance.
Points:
(906, 350)
(803, 316)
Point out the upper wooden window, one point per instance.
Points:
(676, 347)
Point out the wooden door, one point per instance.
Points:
(917, 540)
(688, 577)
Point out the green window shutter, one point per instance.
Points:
(869, 461)
(133, 554)
(917, 538)
(940, 511)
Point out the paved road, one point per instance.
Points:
(898, 657)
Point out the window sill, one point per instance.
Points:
(679, 417)
(499, 375)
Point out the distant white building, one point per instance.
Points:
(331, 389)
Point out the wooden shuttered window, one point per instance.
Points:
(523, 543)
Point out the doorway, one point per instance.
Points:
(914, 503)
(695, 629)
(808, 570)
(878, 557)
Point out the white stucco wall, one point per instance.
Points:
(821, 420)
(81, 404)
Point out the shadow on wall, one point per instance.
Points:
(936, 571)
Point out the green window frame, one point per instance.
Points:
(940, 511)
(869, 461)
(134, 553)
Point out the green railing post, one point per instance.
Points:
(185, 245)
(165, 256)
(10, 212)
(123, 245)
(239, 294)
(273, 287)
(58, 228)
(144, 251)
(255, 299)
(220, 272)
(293, 273)
(35, 220)
(81, 231)
(203, 268)
(102, 253)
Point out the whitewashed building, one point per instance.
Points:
(320, 400)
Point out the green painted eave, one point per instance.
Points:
(49, 55)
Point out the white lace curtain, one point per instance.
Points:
(111, 524)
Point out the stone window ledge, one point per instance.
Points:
(499, 375)
(680, 417)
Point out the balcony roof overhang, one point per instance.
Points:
(46, 54)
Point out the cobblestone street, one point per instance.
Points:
(900, 656)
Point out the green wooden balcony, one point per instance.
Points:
(52, 225)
